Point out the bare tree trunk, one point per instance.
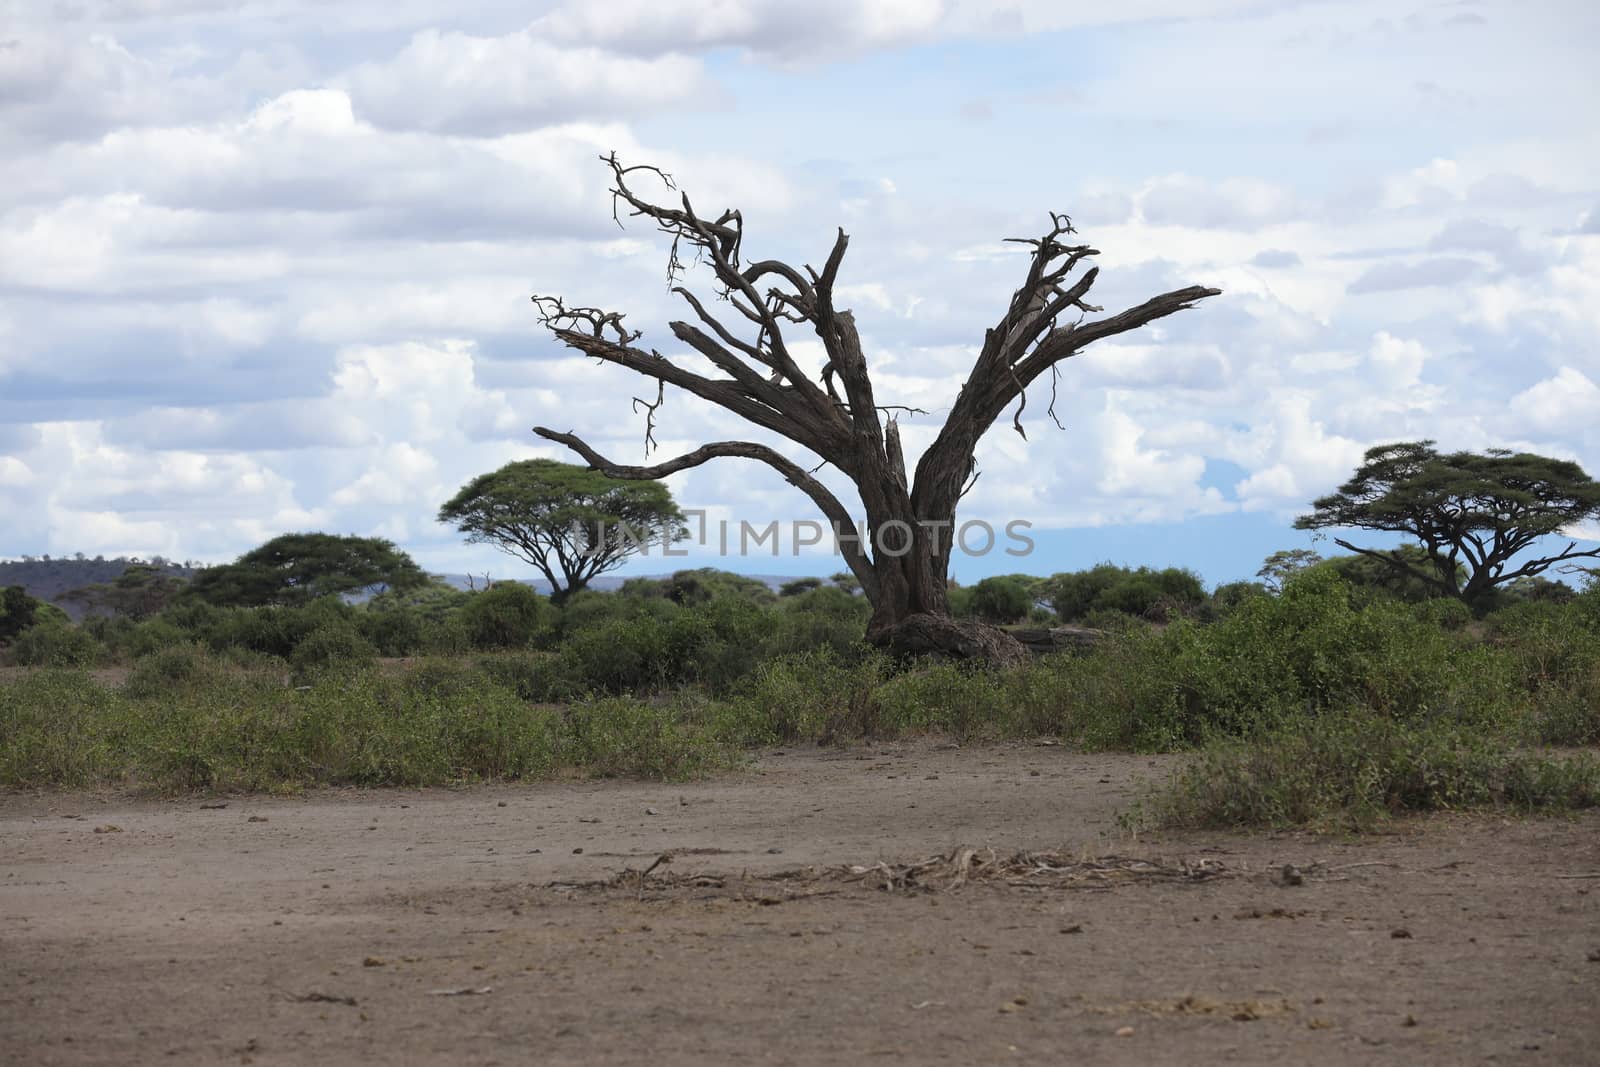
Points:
(905, 583)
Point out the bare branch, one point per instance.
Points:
(793, 473)
(650, 415)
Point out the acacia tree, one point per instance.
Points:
(295, 568)
(1473, 513)
(569, 522)
(902, 560)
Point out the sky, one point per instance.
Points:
(265, 265)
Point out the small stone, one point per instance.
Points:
(500, 804)
(1400, 933)
(1124, 1031)
(374, 961)
(256, 818)
(1290, 875)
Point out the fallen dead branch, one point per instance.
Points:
(1024, 869)
(941, 873)
(315, 997)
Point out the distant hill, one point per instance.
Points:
(47, 579)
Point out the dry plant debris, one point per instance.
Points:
(941, 873)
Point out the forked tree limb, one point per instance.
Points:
(860, 563)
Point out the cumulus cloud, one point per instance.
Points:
(1438, 270)
(53, 86)
(1398, 363)
(487, 86)
(1566, 402)
(773, 29)
(1504, 243)
(1233, 203)
(279, 253)
(1275, 259)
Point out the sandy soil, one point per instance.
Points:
(332, 928)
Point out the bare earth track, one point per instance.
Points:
(467, 927)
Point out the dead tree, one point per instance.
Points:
(836, 416)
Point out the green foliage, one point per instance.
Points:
(55, 644)
(1145, 593)
(175, 668)
(1377, 578)
(1473, 513)
(1355, 768)
(57, 728)
(798, 586)
(700, 586)
(570, 522)
(139, 592)
(297, 568)
(193, 724)
(506, 615)
(1229, 595)
(1002, 599)
(18, 611)
(1278, 568)
(432, 601)
(333, 646)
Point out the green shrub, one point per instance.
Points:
(332, 646)
(506, 615)
(591, 609)
(54, 644)
(1353, 768)
(1144, 592)
(175, 667)
(614, 736)
(798, 586)
(1002, 599)
(57, 728)
(447, 637)
(395, 631)
(151, 636)
(18, 611)
(812, 695)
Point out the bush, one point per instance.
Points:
(177, 667)
(332, 646)
(812, 695)
(1143, 592)
(54, 644)
(1358, 767)
(1001, 600)
(57, 728)
(18, 611)
(506, 615)
(798, 586)
(394, 632)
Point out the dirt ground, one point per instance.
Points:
(510, 925)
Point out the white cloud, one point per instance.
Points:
(775, 29)
(487, 86)
(1397, 363)
(1566, 402)
(1233, 203)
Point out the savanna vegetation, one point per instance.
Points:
(1330, 699)
(1421, 676)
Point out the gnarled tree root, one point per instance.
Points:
(939, 635)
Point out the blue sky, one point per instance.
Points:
(264, 264)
